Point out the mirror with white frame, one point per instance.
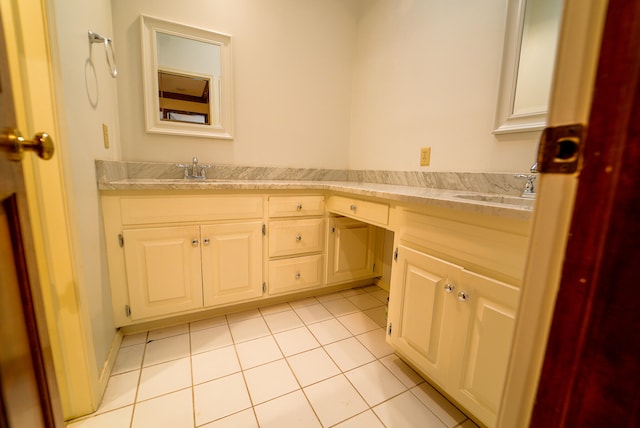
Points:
(528, 62)
(186, 73)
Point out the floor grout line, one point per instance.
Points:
(263, 314)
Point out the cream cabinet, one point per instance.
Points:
(455, 326)
(353, 251)
(164, 270)
(176, 254)
(173, 254)
(420, 313)
(174, 269)
(231, 262)
(486, 310)
(372, 212)
(295, 243)
(453, 301)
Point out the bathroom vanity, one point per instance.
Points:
(179, 247)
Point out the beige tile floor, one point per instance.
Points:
(316, 362)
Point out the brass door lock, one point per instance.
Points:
(560, 149)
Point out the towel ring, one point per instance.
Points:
(108, 48)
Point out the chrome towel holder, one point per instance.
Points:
(108, 48)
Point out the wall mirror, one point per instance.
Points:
(528, 61)
(187, 80)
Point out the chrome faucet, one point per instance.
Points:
(529, 189)
(195, 171)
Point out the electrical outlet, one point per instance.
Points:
(425, 156)
(105, 135)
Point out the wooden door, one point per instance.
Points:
(421, 318)
(231, 262)
(163, 270)
(28, 390)
(591, 370)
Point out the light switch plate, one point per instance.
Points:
(425, 156)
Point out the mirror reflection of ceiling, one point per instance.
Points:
(189, 88)
(182, 53)
(184, 98)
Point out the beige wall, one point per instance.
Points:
(360, 84)
(86, 100)
(426, 73)
(292, 81)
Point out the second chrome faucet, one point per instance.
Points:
(529, 188)
(195, 170)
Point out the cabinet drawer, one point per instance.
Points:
(166, 209)
(370, 212)
(289, 237)
(294, 274)
(290, 206)
(486, 250)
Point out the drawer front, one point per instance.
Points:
(166, 209)
(370, 212)
(290, 237)
(298, 273)
(291, 206)
(494, 253)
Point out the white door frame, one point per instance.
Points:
(576, 63)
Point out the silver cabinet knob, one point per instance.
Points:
(206, 241)
(194, 242)
(299, 207)
(449, 287)
(298, 275)
(352, 207)
(462, 296)
(298, 238)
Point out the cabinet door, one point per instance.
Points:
(421, 311)
(163, 270)
(231, 262)
(483, 343)
(351, 250)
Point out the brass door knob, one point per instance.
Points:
(12, 141)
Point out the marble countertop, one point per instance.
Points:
(470, 201)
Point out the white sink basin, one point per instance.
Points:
(500, 199)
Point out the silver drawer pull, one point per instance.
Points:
(298, 275)
(352, 207)
(194, 242)
(462, 296)
(206, 241)
(449, 287)
(298, 238)
(299, 207)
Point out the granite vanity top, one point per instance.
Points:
(472, 198)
